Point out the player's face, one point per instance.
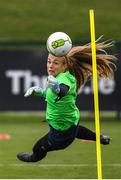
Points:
(56, 65)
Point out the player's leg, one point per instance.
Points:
(87, 134)
(54, 140)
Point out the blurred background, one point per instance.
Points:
(24, 28)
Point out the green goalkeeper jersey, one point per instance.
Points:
(63, 113)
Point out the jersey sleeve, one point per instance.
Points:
(63, 91)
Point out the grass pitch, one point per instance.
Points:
(78, 161)
(36, 20)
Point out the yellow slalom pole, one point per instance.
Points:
(95, 88)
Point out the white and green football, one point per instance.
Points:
(59, 44)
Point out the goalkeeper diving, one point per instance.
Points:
(66, 74)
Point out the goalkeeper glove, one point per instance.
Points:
(35, 90)
(53, 84)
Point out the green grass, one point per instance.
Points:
(35, 20)
(76, 161)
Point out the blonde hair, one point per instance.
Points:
(79, 61)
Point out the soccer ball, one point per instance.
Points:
(59, 44)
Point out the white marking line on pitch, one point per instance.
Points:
(59, 165)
